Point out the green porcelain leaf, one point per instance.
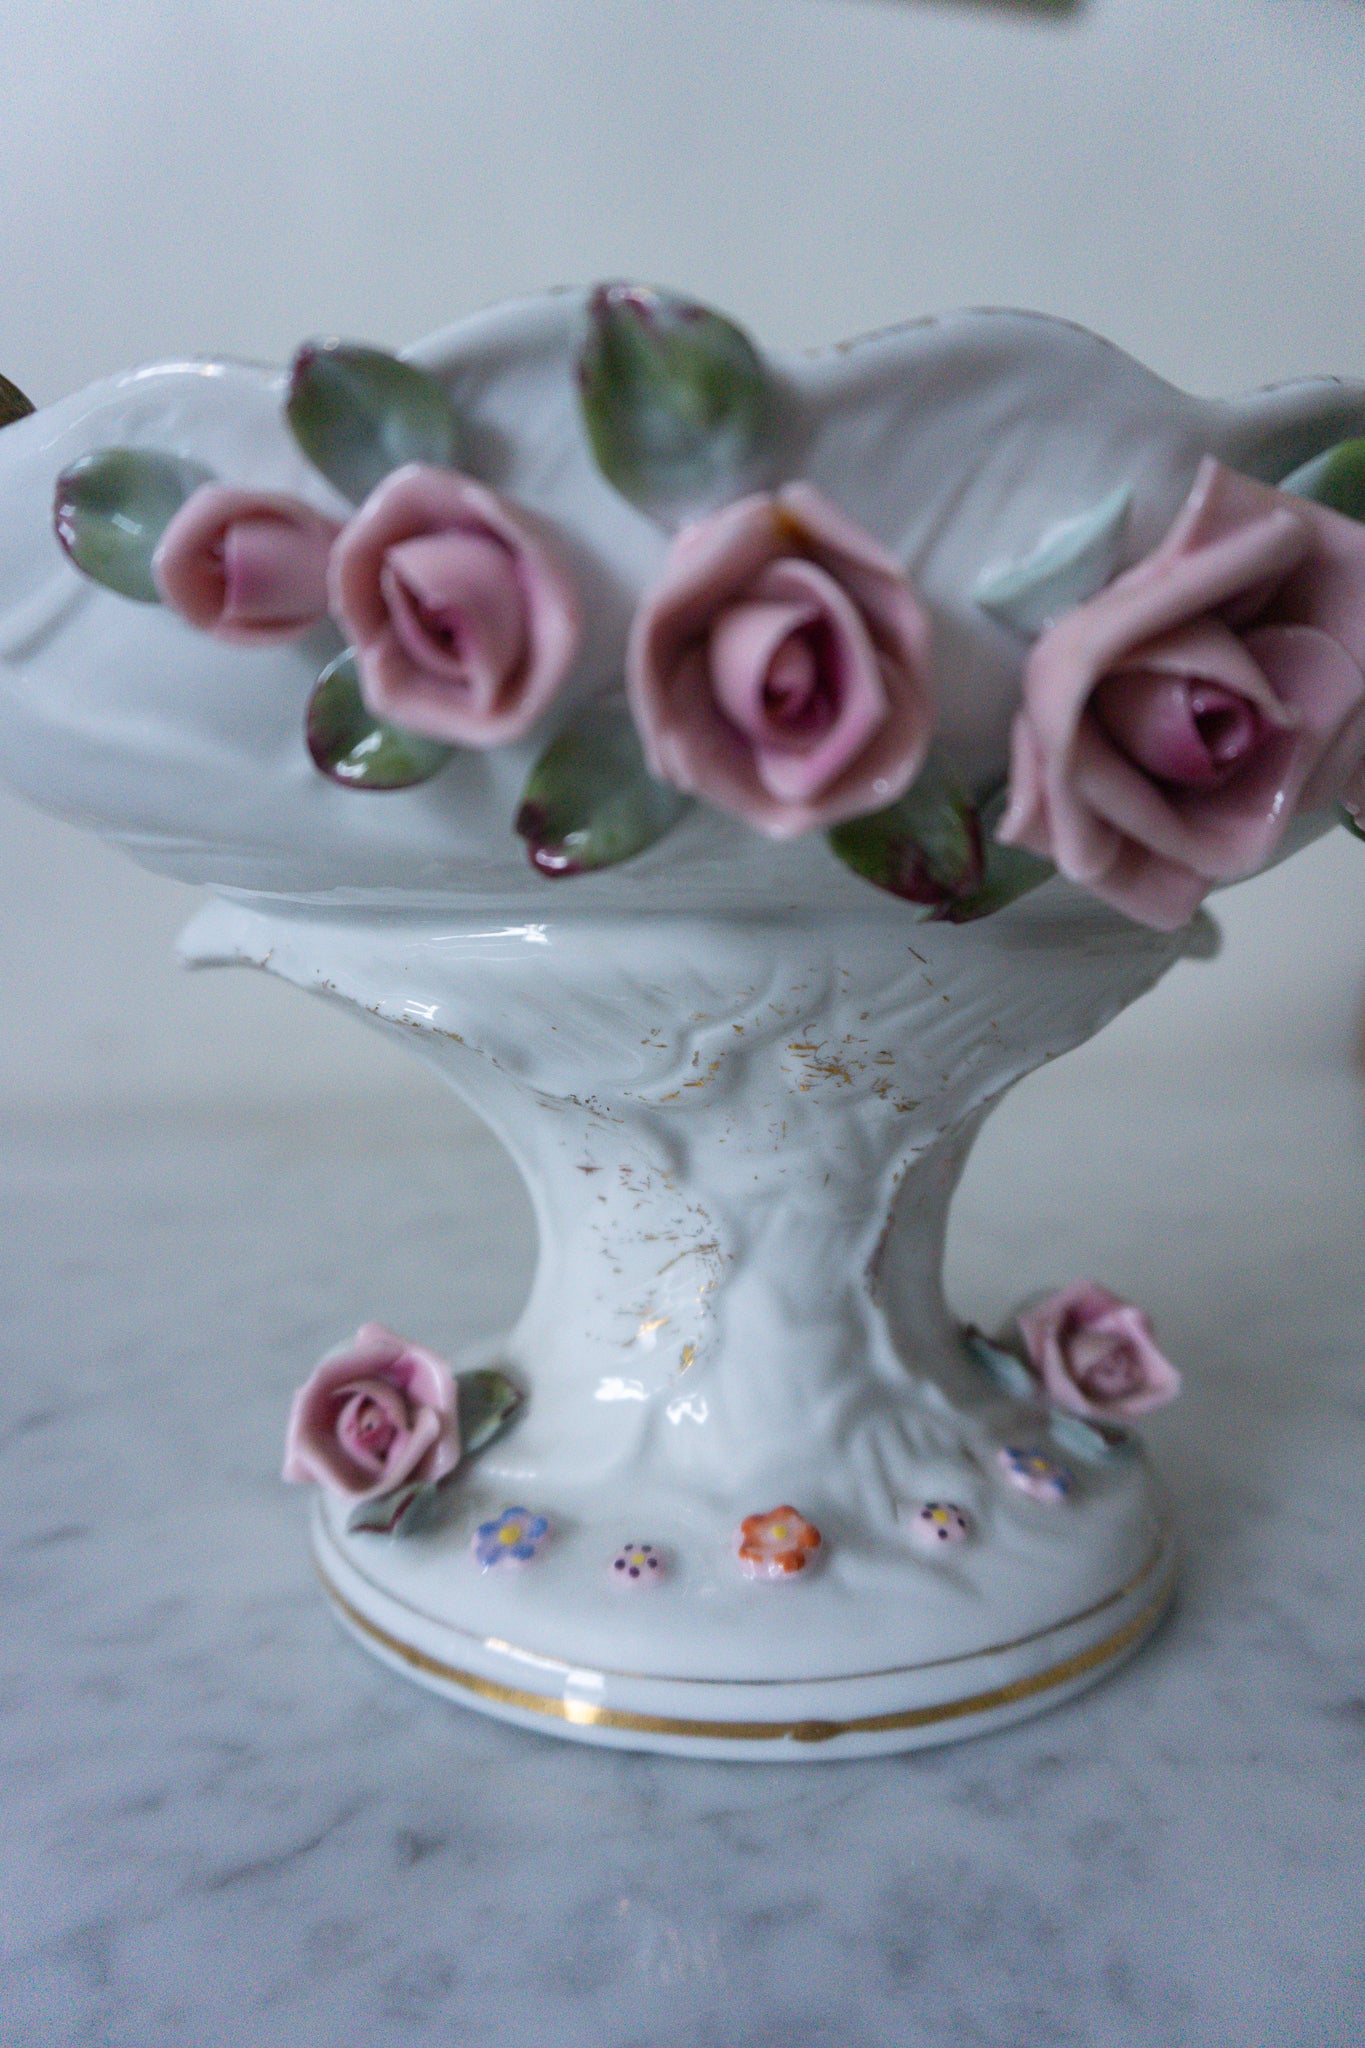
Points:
(1336, 478)
(590, 800)
(387, 1512)
(352, 746)
(487, 1401)
(1010, 1374)
(13, 404)
(676, 400)
(359, 414)
(926, 848)
(1098, 1443)
(1007, 871)
(1009, 874)
(1353, 825)
(1073, 560)
(111, 508)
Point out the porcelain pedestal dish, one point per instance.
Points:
(741, 1138)
(754, 658)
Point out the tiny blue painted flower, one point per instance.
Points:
(1034, 1473)
(513, 1537)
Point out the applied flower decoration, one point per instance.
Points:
(1095, 1354)
(246, 566)
(514, 1537)
(780, 666)
(777, 1544)
(1173, 725)
(374, 1414)
(1034, 1473)
(463, 620)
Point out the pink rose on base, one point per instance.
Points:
(1174, 724)
(463, 621)
(779, 668)
(248, 566)
(1095, 1354)
(376, 1412)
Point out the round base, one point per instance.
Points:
(422, 1605)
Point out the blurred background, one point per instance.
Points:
(1183, 176)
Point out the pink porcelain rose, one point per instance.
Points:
(1096, 1354)
(779, 668)
(248, 566)
(463, 620)
(376, 1412)
(1173, 725)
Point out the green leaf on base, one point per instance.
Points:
(386, 1513)
(111, 508)
(358, 750)
(487, 1402)
(676, 400)
(1088, 1438)
(590, 801)
(358, 414)
(1009, 1372)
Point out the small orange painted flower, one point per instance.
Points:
(774, 1545)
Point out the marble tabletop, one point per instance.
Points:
(222, 1823)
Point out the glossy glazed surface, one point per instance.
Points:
(956, 442)
(739, 1082)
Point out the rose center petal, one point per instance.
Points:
(369, 1424)
(774, 672)
(798, 701)
(456, 605)
(1182, 730)
(373, 1428)
(1228, 725)
(1105, 1368)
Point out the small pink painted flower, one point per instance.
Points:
(779, 668)
(376, 1412)
(940, 1524)
(248, 566)
(777, 1544)
(463, 620)
(1174, 724)
(638, 1564)
(1095, 1354)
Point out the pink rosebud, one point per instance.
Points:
(464, 622)
(245, 565)
(1095, 1354)
(376, 1412)
(1173, 725)
(779, 668)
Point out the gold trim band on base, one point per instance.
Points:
(1162, 1550)
(583, 1714)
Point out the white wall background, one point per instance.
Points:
(227, 176)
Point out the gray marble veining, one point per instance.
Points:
(221, 1823)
